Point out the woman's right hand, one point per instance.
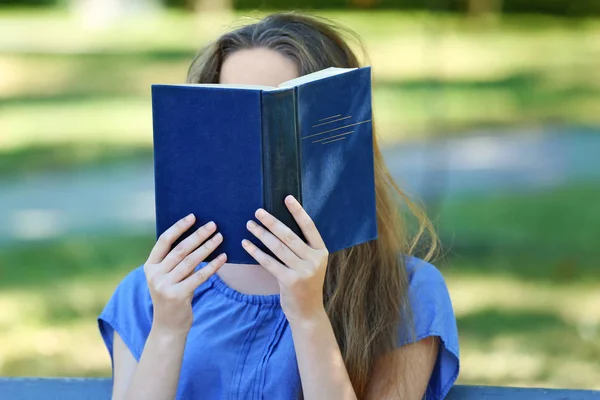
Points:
(171, 277)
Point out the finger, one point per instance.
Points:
(305, 223)
(188, 245)
(283, 233)
(274, 244)
(199, 277)
(168, 237)
(189, 263)
(269, 263)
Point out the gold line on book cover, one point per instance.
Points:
(333, 120)
(336, 129)
(333, 137)
(333, 116)
(334, 140)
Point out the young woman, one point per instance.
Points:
(369, 322)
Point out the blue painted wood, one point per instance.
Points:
(55, 388)
(459, 392)
(100, 389)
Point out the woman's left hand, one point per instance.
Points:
(302, 277)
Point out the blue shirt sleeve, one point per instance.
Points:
(434, 317)
(129, 313)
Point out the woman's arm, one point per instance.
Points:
(157, 374)
(172, 280)
(324, 375)
(405, 372)
(300, 277)
(322, 370)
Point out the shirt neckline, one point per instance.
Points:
(259, 299)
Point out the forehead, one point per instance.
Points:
(258, 66)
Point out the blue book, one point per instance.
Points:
(223, 151)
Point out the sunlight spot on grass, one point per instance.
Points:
(53, 331)
(516, 332)
(70, 349)
(589, 329)
(17, 308)
(18, 77)
(503, 363)
(578, 373)
(121, 120)
(510, 360)
(573, 303)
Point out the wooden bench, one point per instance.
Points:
(100, 389)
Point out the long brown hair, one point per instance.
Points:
(366, 286)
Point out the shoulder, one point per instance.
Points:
(134, 280)
(132, 289)
(128, 312)
(428, 291)
(433, 316)
(427, 285)
(430, 301)
(421, 272)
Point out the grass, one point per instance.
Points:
(526, 333)
(74, 88)
(525, 315)
(522, 270)
(59, 157)
(50, 296)
(556, 231)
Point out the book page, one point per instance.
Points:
(324, 73)
(228, 86)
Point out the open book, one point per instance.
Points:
(222, 151)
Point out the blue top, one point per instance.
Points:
(240, 345)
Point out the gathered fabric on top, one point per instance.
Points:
(240, 345)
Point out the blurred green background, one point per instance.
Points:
(491, 85)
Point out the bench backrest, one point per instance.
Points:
(100, 389)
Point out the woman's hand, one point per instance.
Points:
(301, 278)
(171, 277)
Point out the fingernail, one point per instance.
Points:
(245, 243)
(217, 237)
(290, 199)
(210, 226)
(189, 218)
(251, 224)
(222, 257)
(260, 213)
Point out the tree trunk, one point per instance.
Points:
(479, 8)
(211, 5)
(364, 3)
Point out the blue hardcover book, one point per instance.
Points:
(223, 151)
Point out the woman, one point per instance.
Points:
(369, 322)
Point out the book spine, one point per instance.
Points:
(281, 153)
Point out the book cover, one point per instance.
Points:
(222, 151)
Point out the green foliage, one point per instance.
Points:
(554, 7)
(30, 3)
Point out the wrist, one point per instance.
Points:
(168, 336)
(310, 323)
